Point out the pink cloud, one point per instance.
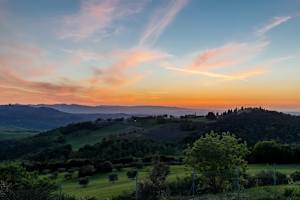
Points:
(97, 16)
(116, 73)
(227, 55)
(24, 59)
(160, 20)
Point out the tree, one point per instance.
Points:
(211, 116)
(217, 157)
(271, 152)
(113, 178)
(83, 181)
(155, 187)
(18, 184)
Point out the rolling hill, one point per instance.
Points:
(43, 118)
(251, 125)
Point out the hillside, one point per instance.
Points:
(251, 125)
(42, 118)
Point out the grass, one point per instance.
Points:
(100, 187)
(81, 138)
(284, 168)
(14, 133)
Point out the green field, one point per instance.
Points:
(100, 187)
(13, 133)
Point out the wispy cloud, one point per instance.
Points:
(236, 76)
(97, 16)
(160, 20)
(10, 83)
(116, 73)
(24, 59)
(229, 54)
(228, 77)
(276, 21)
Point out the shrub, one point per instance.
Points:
(295, 176)
(131, 174)
(83, 181)
(270, 178)
(113, 178)
(87, 170)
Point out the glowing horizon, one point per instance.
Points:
(185, 53)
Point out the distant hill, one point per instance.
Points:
(130, 110)
(251, 125)
(43, 118)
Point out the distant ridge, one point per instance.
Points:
(130, 110)
(43, 118)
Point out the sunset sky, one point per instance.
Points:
(188, 53)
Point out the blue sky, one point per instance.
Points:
(193, 53)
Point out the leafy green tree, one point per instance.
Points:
(22, 185)
(217, 157)
(272, 152)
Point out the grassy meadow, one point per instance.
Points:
(100, 186)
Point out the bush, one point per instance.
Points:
(87, 170)
(113, 177)
(83, 181)
(270, 178)
(295, 176)
(131, 174)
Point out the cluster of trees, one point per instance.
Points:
(219, 160)
(117, 147)
(274, 152)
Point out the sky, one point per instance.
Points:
(187, 53)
